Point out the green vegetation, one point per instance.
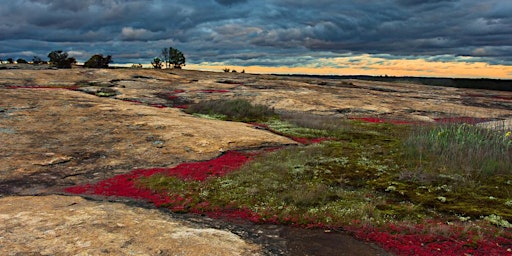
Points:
(233, 110)
(60, 59)
(173, 58)
(98, 61)
(372, 172)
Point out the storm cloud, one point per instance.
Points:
(267, 32)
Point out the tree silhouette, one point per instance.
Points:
(176, 58)
(165, 57)
(60, 59)
(98, 61)
(157, 63)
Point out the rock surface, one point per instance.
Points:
(53, 138)
(65, 225)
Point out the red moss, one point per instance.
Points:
(502, 97)
(178, 91)
(123, 185)
(475, 95)
(212, 91)
(416, 240)
(461, 120)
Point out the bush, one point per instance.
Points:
(21, 61)
(98, 61)
(233, 110)
(60, 59)
(157, 63)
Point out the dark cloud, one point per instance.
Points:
(230, 2)
(269, 32)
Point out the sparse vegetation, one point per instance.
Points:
(233, 110)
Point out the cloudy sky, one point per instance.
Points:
(450, 38)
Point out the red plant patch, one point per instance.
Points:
(123, 185)
(474, 95)
(462, 120)
(417, 240)
(212, 91)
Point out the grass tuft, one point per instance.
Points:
(233, 110)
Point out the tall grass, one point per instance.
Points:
(233, 110)
(463, 150)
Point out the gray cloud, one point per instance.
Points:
(270, 32)
(230, 2)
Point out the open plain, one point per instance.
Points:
(60, 128)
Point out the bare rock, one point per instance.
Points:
(62, 225)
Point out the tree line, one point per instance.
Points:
(170, 57)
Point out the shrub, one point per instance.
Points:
(157, 63)
(98, 61)
(233, 110)
(60, 59)
(21, 61)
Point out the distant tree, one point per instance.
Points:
(37, 60)
(157, 63)
(10, 60)
(226, 70)
(166, 57)
(60, 59)
(136, 65)
(233, 71)
(176, 58)
(21, 61)
(243, 71)
(98, 61)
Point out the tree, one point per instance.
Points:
(21, 61)
(10, 60)
(176, 58)
(60, 59)
(157, 63)
(165, 57)
(98, 61)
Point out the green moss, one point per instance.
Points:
(366, 174)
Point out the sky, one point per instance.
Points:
(435, 38)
